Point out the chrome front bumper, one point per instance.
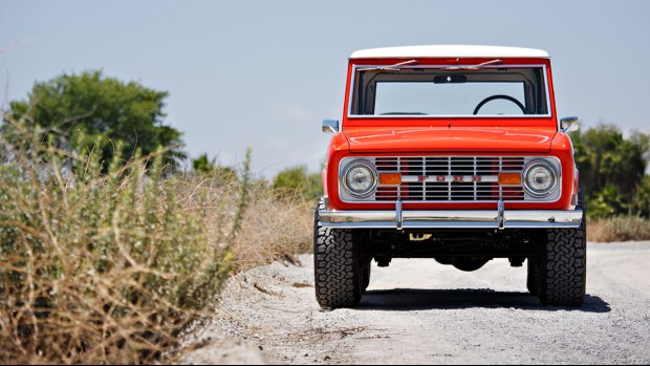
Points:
(400, 219)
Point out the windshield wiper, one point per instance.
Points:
(395, 67)
(474, 67)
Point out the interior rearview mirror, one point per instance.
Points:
(450, 79)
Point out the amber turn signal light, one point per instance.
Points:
(509, 178)
(393, 179)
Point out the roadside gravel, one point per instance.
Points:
(420, 312)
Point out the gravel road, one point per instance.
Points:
(420, 312)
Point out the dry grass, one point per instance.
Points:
(620, 228)
(111, 267)
(274, 228)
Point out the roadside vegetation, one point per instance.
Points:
(108, 250)
(618, 228)
(109, 247)
(614, 183)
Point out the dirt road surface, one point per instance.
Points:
(420, 312)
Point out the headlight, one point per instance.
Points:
(360, 178)
(540, 178)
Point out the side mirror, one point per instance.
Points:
(330, 125)
(569, 124)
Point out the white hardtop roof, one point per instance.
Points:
(448, 51)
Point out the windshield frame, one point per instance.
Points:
(355, 68)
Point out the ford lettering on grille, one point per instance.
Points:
(449, 178)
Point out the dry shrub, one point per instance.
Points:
(619, 228)
(275, 227)
(106, 267)
(272, 226)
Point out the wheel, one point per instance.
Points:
(499, 96)
(338, 278)
(563, 267)
(532, 280)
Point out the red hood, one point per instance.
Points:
(391, 140)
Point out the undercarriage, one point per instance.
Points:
(467, 250)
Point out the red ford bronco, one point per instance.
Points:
(453, 153)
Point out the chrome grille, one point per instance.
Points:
(449, 178)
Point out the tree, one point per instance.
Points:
(203, 164)
(296, 180)
(99, 109)
(641, 200)
(612, 169)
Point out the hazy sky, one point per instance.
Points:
(263, 74)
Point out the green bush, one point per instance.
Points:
(612, 171)
(106, 267)
(641, 202)
(204, 165)
(296, 181)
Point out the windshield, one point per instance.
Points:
(413, 91)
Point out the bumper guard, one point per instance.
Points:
(400, 219)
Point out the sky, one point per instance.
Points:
(264, 74)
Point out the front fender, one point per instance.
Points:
(338, 147)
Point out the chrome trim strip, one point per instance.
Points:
(399, 215)
(433, 116)
(500, 208)
(440, 219)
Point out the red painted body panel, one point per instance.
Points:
(404, 136)
(454, 139)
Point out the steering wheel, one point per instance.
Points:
(499, 96)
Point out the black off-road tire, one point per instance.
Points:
(337, 273)
(563, 267)
(532, 280)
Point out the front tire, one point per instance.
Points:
(563, 267)
(337, 273)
